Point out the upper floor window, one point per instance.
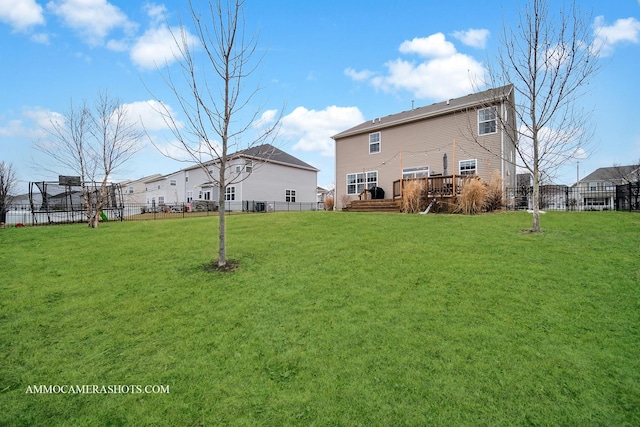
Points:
(172, 182)
(290, 196)
(248, 166)
(468, 167)
(130, 190)
(593, 186)
(487, 121)
(374, 143)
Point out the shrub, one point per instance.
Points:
(329, 203)
(412, 197)
(345, 199)
(495, 197)
(472, 197)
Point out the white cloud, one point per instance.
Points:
(358, 75)
(157, 47)
(93, 19)
(266, 119)
(434, 46)
(151, 114)
(312, 130)
(608, 36)
(440, 78)
(33, 123)
(21, 14)
(473, 37)
(41, 38)
(156, 12)
(444, 74)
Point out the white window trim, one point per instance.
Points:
(495, 109)
(378, 142)
(366, 183)
(230, 193)
(290, 196)
(412, 172)
(475, 169)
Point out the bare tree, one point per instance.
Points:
(221, 116)
(8, 181)
(92, 142)
(549, 57)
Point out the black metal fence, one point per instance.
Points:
(23, 214)
(587, 197)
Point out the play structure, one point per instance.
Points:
(62, 201)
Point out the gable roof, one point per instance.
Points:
(613, 173)
(269, 153)
(489, 96)
(265, 153)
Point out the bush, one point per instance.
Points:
(495, 197)
(329, 204)
(412, 197)
(472, 197)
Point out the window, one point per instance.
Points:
(230, 193)
(593, 186)
(248, 166)
(420, 172)
(161, 200)
(374, 143)
(487, 121)
(608, 186)
(357, 182)
(172, 183)
(130, 190)
(189, 196)
(238, 169)
(290, 196)
(468, 167)
(186, 177)
(207, 195)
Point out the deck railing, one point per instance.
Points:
(435, 186)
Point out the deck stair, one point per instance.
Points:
(373, 205)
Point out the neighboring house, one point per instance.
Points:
(261, 178)
(597, 191)
(460, 136)
(163, 190)
(134, 191)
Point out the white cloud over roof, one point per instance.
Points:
(312, 129)
(21, 14)
(444, 73)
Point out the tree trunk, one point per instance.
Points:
(222, 223)
(536, 203)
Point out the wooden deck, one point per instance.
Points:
(437, 187)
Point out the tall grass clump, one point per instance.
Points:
(494, 199)
(412, 197)
(472, 197)
(329, 203)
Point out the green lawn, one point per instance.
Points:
(332, 319)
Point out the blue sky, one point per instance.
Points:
(329, 64)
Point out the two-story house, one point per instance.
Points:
(471, 135)
(259, 178)
(597, 191)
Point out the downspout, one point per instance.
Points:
(335, 174)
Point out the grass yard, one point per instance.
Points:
(332, 319)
